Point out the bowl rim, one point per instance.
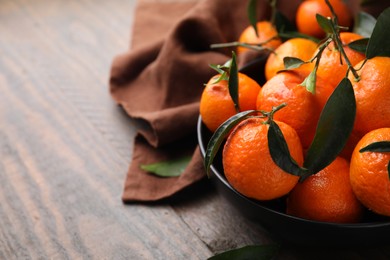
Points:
(221, 178)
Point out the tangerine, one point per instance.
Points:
(303, 108)
(332, 65)
(216, 104)
(326, 196)
(372, 93)
(248, 165)
(369, 174)
(267, 36)
(306, 16)
(296, 47)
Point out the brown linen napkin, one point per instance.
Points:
(160, 80)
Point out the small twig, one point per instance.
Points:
(341, 48)
(321, 49)
(253, 46)
(338, 43)
(271, 113)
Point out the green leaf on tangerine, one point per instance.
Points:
(359, 45)
(169, 168)
(379, 43)
(279, 151)
(260, 252)
(219, 135)
(310, 81)
(233, 82)
(324, 23)
(333, 129)
(251, 12)
(364, 24)
(222, 70)
(380, 146)
(292, 62)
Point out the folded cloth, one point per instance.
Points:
(161, 78)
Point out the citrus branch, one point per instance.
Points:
(338, 43)
(253, 46)
(310, 81)
(321, 49)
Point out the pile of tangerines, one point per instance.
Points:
(301, 101)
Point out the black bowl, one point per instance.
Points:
(372, 230)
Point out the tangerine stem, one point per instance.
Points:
(256, 47)
(321, 48)
(341, 48)
(272, 112)
(253, 46)
(338, 43)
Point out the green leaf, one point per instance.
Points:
(292, 62)
(359, 45)
(283, 24)
(310, 81)
(333, 129)
(381, 146)
(233, 83)
(261, 252)
(379, 43)
(324, 23)
(364, 24)
(219, 135)
(279, 151)
(252, 16)
(170, 168)
(222, 70)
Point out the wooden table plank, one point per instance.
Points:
(63, 142)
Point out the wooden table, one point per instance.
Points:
(65, 148)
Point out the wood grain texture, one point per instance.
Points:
(65, 148)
